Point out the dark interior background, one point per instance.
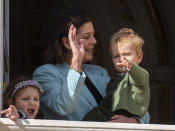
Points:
(152, 19)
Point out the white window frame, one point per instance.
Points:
(46, 125)
(4, 40)
(60, 125)
(1, 51)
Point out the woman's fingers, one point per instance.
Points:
(123, 119)
(73, 39)
(116, 117)
(71, 34)
(82, 45)
(74, 33)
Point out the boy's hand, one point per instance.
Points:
(125, 64)
(11, 113)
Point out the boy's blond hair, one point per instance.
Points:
(127, 34)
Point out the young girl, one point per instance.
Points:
(22, 97)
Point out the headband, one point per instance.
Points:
(25, 84)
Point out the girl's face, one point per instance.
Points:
(87, 33)
(28, 100)
(127, 50)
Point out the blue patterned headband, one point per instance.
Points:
(27, 83)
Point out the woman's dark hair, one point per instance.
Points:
(59, 28)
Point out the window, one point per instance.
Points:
(26, 42)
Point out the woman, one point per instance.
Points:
(66, 95)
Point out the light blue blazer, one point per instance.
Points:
(65, 96)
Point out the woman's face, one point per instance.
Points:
(86, 32)
(28, 101)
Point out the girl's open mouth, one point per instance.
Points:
(31, 112)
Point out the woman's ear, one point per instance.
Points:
(66, 43)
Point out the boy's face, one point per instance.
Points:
(127, 50)
(28, 101)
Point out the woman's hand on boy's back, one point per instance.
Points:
(123, 119)
(11, 113)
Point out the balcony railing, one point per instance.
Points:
(59, 125)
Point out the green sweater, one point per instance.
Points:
(129, 92)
